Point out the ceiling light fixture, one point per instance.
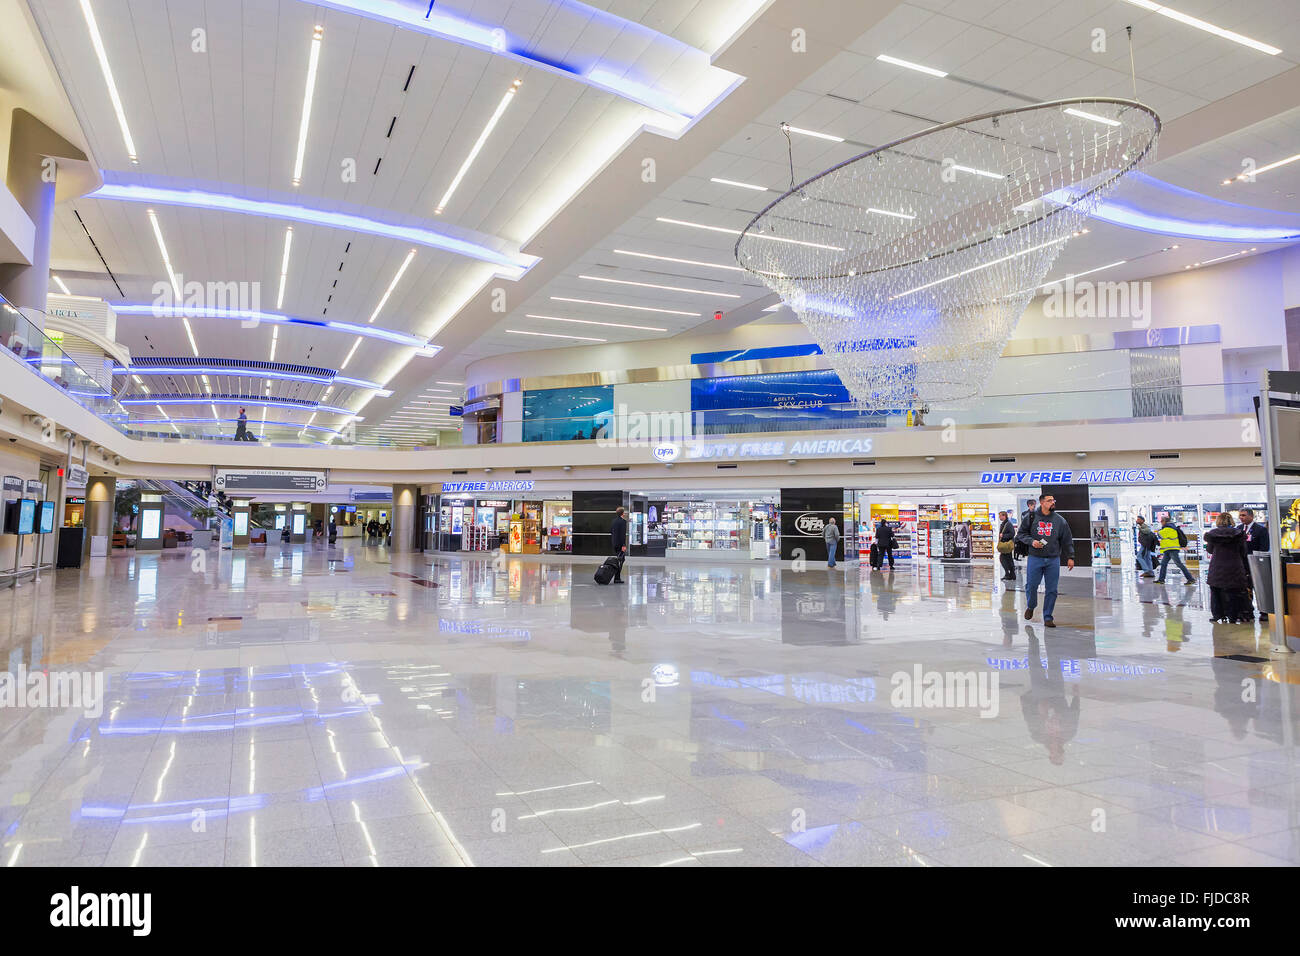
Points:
(555, 335)
(275, 339)
(908, 64)
(351, 352)
(391, 286)
(284, 266)
(312, 62)
(1092, 116)
(984, 265)
(732, 182)
(273, 318)
(617, 305)
(612, 325)
(61, 284)
(887, 212)
(736, 232)
(685, 262)
(977, 172)
(1244, 177)
(167, 260)
(478, 145)
(1191, 21)
(811, 132)
(666, 288)
(102, 55)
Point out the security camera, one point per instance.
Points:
(36, 420)
(13, 440)
(792, 461)
(68, 436)
(568, 468)
(488, 470)
(117, 460)
(930, 459)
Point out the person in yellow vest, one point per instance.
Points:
(1172, 541)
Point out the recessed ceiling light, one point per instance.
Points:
(977, 172)
(613, 325)
(888, 212)
(391, 286)
(284, 266)
(685, 262)
(811, 132)
(313, 62)
(1092, 116)
(983, 265)
(555, 335)
(618, 305)
(732, 182)
(1264, 169)
(351, 352)
(61, 284)
(753, 235)
(102, 55)
(478, 145)
(1191, 21)
(908, 64)
(666, 288)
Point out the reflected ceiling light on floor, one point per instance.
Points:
(555, 335)
(61, 284)
(1191, 21)
(309, 92)
(478, 145)
(284, 266)
(1104, 120)
(811, 132)
(909, 65)
(732, 182)
(685, 262)
(1246, 177)
(102, 55)
(612, 325)
(666, 288)
(736, 232)
(391, 286)
(619, 305)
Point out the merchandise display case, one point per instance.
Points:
(559, 526)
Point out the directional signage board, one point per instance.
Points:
(237, 480)
(77, 477)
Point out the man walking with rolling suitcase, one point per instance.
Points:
(885, 538)
(618, 542)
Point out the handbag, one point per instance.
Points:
(1006, 547)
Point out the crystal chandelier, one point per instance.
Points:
(911, 263)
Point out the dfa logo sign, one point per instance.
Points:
(667, 451)
(809, 524)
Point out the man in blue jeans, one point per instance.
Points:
(1047, 537)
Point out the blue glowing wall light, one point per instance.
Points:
(511, 265)
(274, 318)
(612, 77)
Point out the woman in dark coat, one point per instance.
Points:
(1228, 578)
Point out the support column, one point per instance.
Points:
(35, 151)
(406, 499)
(101, 494)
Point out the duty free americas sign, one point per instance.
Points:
(1103, 476)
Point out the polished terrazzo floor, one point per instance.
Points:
(313, 706)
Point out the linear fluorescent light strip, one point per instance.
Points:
(982, 265)
(284, 266)
(1092, 116)
(272, 318)
(391, 286)
(478, 145)
(753, 235)
(618, 305)
(243, 400)
(171, 275)
(1191, 21)
(812, 132)
(666, 288)
(977, 172)
(685, 262)
(556, 335)
(1241, 176)
(512, 265)
(351, 352)
(1073, 275)
(732, 182)
(102, 55)
(275, 339)
(612, 325)
(888, 212)
(908, 64)
(61, 284)
(308, 93)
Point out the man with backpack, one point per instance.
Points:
(1172, 541)
(1145, 543)
(1019, 550)
(885, 542)
(1047, 536)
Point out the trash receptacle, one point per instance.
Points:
(1261, 576)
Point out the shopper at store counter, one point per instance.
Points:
(1172, 541)
(885, 542)
(618, 542)
(831, 532)
(1256, 542)
(1048, 538)
(1228, 577)
(1145, 543)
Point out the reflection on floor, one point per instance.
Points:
(308, 706)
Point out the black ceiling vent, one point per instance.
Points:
(620, 468)
(463, 472)
(1009, 460)
(726, 466)
(872, 462)
(1160, 455)
(523, 471)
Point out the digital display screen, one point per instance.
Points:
(299, 522)
(279, 522)
(241, 522)
(151, 523)
(25, 523)
(47, 517)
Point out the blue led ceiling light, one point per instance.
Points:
(249, 402)
(511, 263)
(1143, 198)
(275, 318)
(706, 86)
(235, 372)
(228, 421)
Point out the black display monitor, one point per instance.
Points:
(20, 516)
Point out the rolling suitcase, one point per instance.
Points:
(875, 557)
(605, 573)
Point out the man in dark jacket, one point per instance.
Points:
(1256, 541)
(1048, 539)
(618, 542)
(885, 542)
(1006, 532)
(1228, 579)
